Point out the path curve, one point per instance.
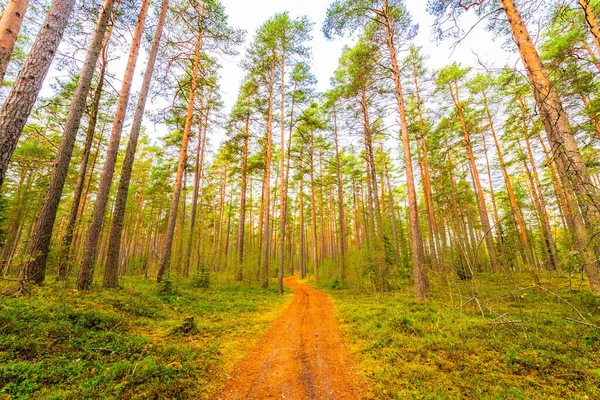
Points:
(302, 356)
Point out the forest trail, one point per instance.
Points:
(302, 356)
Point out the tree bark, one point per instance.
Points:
(242, 217)
(24, 92)
(566, 152)
(86, 271)
(483, 214)
(168, 243)
(65, 251)
(421, 282)
(35, 269)
(266, 234)
(10, 25)
(114, 242)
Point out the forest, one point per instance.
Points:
(408, 232)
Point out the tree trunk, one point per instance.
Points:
(301, 245)
(242, 217)
(421, 282)
(590, 19)
(168, 244)
(426, 179)
(266, 234)
(566, 152)
(10, 25)
(19, 102)
(313, 209)
(114, 242)
(487, 230)
(65, 251)
(86, 271)
(340, 201)
(35, 269)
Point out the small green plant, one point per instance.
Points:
(336, 283)
(201, 279)
(165, 288)
(188, 327)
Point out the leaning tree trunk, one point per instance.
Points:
(565, 149)
(483, 214)
(165, 262)
(10, 25)
(35, 269)
(202, 129)
(24, 92)
(86, 272)
(421, 282)
(114, 242)
(65, 251)
(592, 23)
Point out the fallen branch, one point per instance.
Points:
(510, 321)
(582, 323)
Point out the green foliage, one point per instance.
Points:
(165, 288)
(188, 327)
(336, 283)
(201, 278)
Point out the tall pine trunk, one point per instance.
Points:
(86, 271)
(340, 201)
(114, 242)
(169, 234)
(266, 233)
(65, 251)
(483, 214)
(282, 182)
(421, 282)
(242, 217)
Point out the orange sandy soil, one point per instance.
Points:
(302, 356)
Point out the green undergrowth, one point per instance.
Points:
(142, 341)
(484, 339)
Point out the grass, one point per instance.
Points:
(512, 342)
(136, 342)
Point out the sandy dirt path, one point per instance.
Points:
(302, 356)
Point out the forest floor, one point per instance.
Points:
(302, 356)
(499, 336)
(136, 342)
